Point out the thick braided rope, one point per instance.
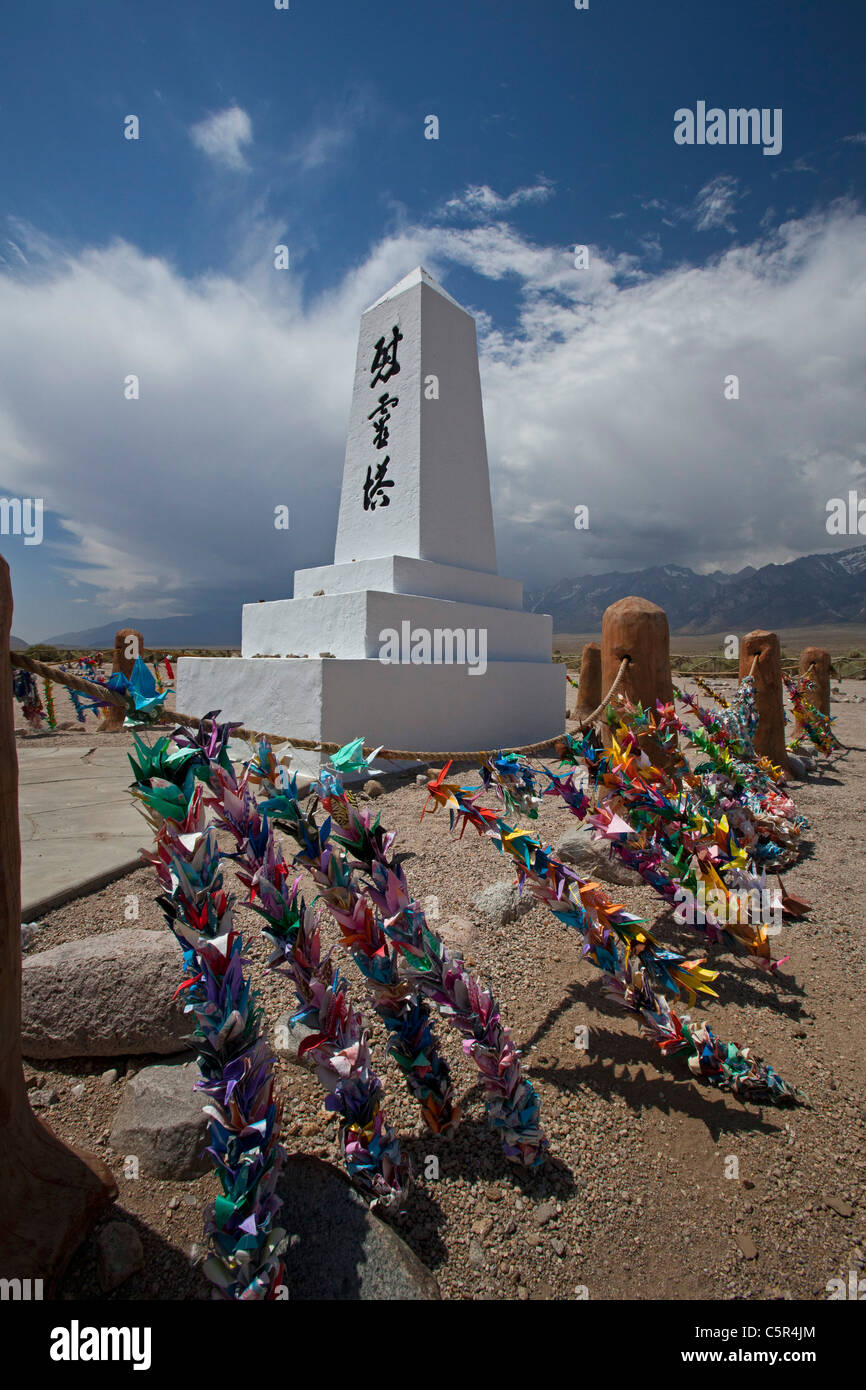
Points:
(597, 713)
(111, 697)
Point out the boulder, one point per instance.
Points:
(160, 1122)
(502, 902)
(104, 996)
(337, 1247)
(593, 859)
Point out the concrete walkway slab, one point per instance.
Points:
(79, 825)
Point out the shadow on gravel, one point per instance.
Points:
(733, 987)
(475, 1155)
(822, 779)
(669, 1095)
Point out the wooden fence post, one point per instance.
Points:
(589, 687)
(49, 1194)
(128, 646)
(638, 629)
(817, 657)
(770, 733)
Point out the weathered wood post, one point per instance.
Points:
(770, 733)
(638, 629)
(819, 660)
(589, 686)
(128, 647)
(49, 1194)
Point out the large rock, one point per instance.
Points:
(105, 996)
(160, 1122)
(502, 902)
(338, 1248)
(593, 859)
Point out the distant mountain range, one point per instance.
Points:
(219, 628)
(813, 591)
(16, 645)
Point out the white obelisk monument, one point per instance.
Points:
(427, 646)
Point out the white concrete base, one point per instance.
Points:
(399, 706)
(349, 626)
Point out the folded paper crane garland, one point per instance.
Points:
(245, 1248)
(236, 1065)
(50, 716)
(813, 723)
(338, 1045)
(379, 899)
(634, 966)
(666, 826)
(26, 691)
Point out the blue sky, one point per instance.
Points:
(306, 127)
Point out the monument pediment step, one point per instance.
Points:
(351, 626)
(403, 574)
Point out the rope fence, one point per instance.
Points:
(253, 736)
(107, 696)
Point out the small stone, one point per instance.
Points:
(483, 1227)
(502, 902)
(476, 1255)
(544, 1213)
(558, 1247)
(78, 1091)
(494, 1194)
(174, 1204)
(41, 1099)
(109, 1077)
(840, 1206)
(421, 779)
(747, 1245)
(119, 1255)
(577, 847)
(374, 789)
(544, 1293)
(288, 1037)
(458, 932)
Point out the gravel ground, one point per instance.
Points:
(634, 1201)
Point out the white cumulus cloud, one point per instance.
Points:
(224, 136)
